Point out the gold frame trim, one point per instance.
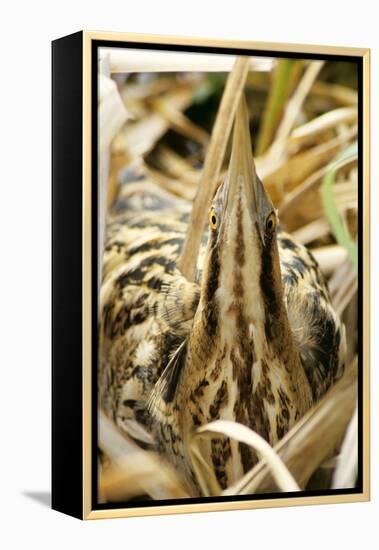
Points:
(88, 513)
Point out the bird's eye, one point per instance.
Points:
(213, 219)
(271, 223)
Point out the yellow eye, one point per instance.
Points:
(271, 223)
(213, 219)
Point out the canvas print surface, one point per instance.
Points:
(227, 276)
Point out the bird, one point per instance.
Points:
(253, 339)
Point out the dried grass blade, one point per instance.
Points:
(212, 166)
(242, 434)
(141, 472)
(179, 122)
(137, 61)
(305, 133)
(340, 94)
(166, 159)
(329, 257)
(345, 271)
(295, 197)
(347, 462)
(205, 475)
(299, 167)
(311, 231)
(112, 111)
(172, 185)
(347, 288)
(141, 136)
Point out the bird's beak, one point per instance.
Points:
(242, 177)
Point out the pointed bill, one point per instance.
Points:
(242, 168)
(242, 176)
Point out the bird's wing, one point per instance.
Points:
(316, 327)
(320, 337)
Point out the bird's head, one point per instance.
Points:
(241, 283)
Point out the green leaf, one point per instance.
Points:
(339, 229)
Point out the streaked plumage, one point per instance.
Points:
(175, 355)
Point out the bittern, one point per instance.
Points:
(255, 339)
